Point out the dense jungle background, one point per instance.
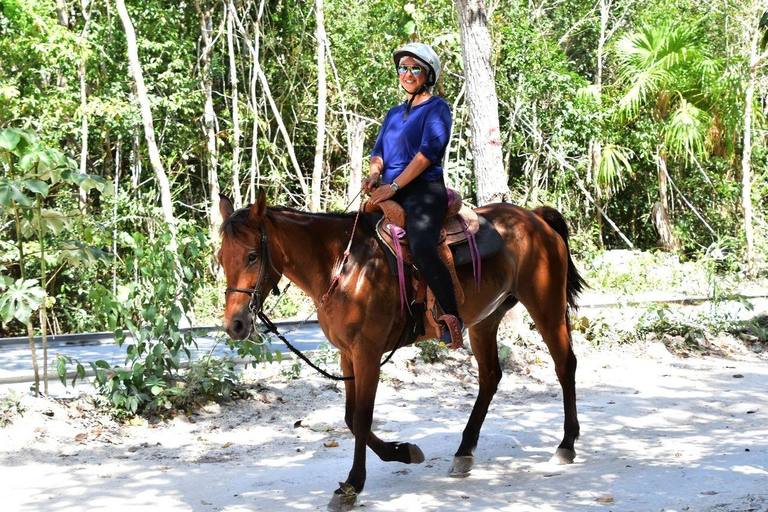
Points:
(642, 121)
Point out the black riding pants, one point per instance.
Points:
(425, 204)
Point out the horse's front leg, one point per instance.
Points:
(361, 395)
(393, 451)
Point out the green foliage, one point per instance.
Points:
(672, 90)
(10, 406)
(432, 351)
(20, 299)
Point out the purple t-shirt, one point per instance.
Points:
(427, 131)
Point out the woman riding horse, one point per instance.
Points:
(407, 157)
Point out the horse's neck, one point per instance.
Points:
(313, 246)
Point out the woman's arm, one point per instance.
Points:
(415, 167)
(376, 165)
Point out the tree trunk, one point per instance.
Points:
(595, 149)
(605, 11)
(356, 148)
(483, 103)
(209, 118)
(746, 157)
(235, 140)
(146, 117)
(62, 12)
(322, 94)
(254, 171)
(83, 104)
(273, 106)
(667, 238)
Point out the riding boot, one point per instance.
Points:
(452, 331)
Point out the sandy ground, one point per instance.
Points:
(659, 432)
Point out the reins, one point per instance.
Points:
(256, 304)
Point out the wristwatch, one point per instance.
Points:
(394, 186)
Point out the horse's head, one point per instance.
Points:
(247, 262)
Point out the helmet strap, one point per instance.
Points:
(410, 101)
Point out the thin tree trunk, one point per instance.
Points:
(356, 148)
(595, 149)
(209, 118)
(146, 117)
(275, 111)
(62, 12)
(483, 104)
(746, 158)
(322, 95)
(116, 186)
(254, 171)
(447, 158)
(667, 238)
(83, 104)
(166, 201)
(30, 328)
(236, 135)
(605, 11)
(43, 315)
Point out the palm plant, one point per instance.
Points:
(660, 69)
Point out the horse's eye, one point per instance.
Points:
(253, 256)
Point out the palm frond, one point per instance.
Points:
(686, 132)
(644, 86)
(612, 166)
(589, 93)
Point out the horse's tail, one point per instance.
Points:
(575, 283)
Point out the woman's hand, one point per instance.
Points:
(370, 183)
(381, 194)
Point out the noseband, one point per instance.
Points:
(257, 301)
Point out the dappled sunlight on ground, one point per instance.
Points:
(672, 434)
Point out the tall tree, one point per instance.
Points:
(654, 64)
(236, 135)
(322, 95)
(146, 117)
(756, 30)
(209, 116)
(488, 161)
(272, 104)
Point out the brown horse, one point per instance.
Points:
(361, 316)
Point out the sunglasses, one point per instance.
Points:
(415, 70)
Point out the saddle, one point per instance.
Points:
(460, 225)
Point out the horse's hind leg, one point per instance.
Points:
(482, 336)
(555, 331)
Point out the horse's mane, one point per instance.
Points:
(327, 215)
(239, 221)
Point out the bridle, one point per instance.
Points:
(257, 299)
(257, 302)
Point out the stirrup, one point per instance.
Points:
(452, 332)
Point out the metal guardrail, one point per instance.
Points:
(107, 337)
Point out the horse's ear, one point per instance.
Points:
(225, 206)
(260, 207)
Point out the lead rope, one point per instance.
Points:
(272, 328)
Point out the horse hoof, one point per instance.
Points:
(563, 456)
(462, 466)
(417, 456)
(342, 502)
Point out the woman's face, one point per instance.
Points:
(411, 82)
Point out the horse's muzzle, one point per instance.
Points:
(239, 326)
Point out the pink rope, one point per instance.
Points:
(397, 233)
(474, 252)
